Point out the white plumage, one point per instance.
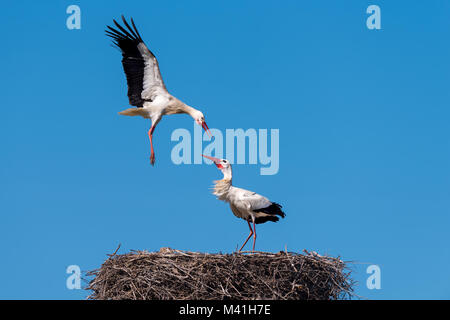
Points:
(146, 88)
(244, 204)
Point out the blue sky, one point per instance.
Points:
(363, 119)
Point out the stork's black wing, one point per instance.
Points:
(272, 210)
(140, 65)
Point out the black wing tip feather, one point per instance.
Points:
(127, 41)
(274, 210)
(265, 219)
(133, 32)
(135, 29)
(123, 38)
(121, 33)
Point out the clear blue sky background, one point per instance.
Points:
(364, 142)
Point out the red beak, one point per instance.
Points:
(215, 160)
(204, 125)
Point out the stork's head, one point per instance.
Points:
(222, 164)
(200, 119)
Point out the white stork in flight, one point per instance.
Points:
(244, 204)
(146, 89)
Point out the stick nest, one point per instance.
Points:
(179, 275)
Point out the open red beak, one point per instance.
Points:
(215, 160)
(205, 126)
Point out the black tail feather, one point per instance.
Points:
(266, 218)
(273, 211)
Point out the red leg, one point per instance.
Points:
(254, 234)
(150, 136)
(251, 233)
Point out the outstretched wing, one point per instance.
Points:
(139, 63)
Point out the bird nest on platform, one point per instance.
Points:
(180, 275)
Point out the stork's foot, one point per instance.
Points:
(152, 159)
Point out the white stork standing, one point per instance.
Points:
(146, 89)
(244, 204)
